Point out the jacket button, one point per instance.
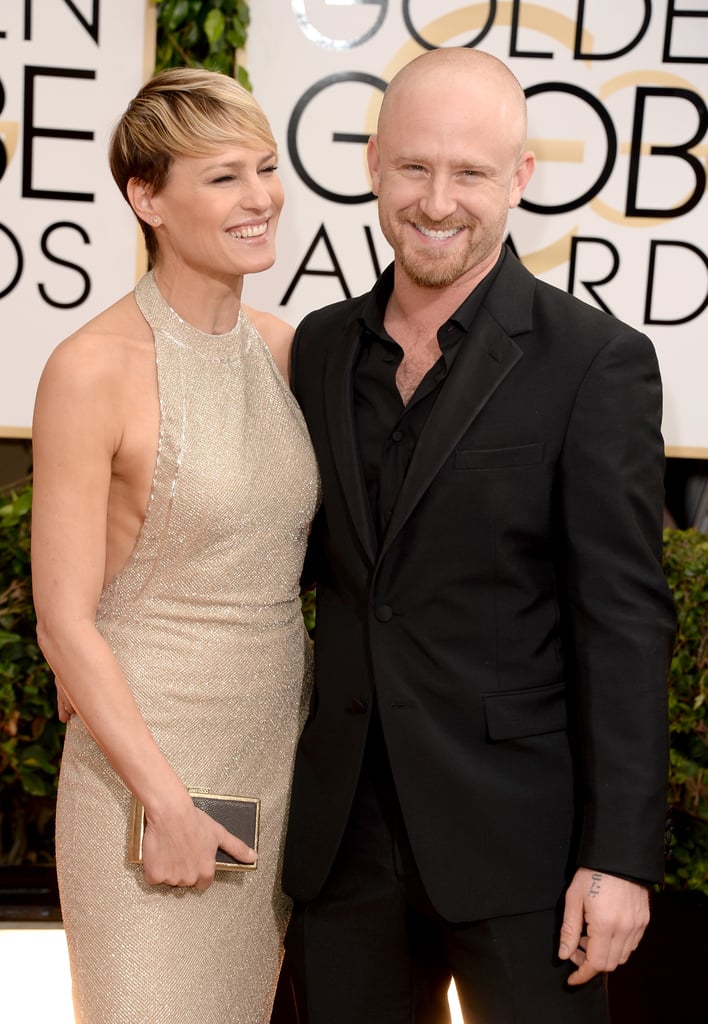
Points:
(383, 612)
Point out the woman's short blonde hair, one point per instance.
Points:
(182, 112)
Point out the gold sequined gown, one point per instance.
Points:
(205, 621)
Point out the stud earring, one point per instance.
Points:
(156, 220)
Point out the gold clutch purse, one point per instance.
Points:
(238, 814)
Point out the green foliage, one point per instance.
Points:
(686, 568)
(202, 33)
(30, 731)
(308, 601)
(31, 734)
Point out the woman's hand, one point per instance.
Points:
(179, 849)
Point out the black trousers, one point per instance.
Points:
(371, 948)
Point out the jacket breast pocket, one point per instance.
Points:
(499, 458)
(511, 716)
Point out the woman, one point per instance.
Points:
(174, 485)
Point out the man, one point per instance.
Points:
(480, 789)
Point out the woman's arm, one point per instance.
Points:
(78, 434)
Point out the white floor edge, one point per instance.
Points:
(34, 975)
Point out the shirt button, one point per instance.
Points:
(384, 613)
(396, 435)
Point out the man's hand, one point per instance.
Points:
(605, 917)
(64, 705)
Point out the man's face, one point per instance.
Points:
(447, 167)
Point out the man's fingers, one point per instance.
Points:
(598, 955)
(584, 973)
(64, 705)
(572, 926)
(591, 957)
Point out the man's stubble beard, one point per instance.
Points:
(438, 270)
(432, 272)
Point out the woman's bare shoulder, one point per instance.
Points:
(110, 341)
(94, 378)
(276, 333)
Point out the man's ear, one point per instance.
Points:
(521, 178)
(141, 199)
(373, 159)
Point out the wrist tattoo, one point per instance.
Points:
(594, 889)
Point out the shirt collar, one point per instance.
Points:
(466, 312)
(375, 308)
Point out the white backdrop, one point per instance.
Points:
(68, 242)
(616, 211)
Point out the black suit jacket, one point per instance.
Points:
(514, 622)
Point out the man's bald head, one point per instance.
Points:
(467, 76)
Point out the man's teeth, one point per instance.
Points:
(249, 231)
(437, 235)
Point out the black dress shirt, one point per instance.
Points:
(387, 430)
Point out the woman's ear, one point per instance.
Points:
(140, 198)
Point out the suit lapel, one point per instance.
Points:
(339, 409)
(485, 359)
(481, 365)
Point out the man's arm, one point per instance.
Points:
(621, 627)
(618, 609)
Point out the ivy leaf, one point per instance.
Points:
(7, 638)
(236, 36)
(214, 25)
(173, 13)
(243, 79)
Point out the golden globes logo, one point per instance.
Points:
(596, 127)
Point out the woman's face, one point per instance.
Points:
(218, 213)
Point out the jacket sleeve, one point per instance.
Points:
(620, 611)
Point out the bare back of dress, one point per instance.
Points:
(206, 624)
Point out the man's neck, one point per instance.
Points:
(424, 310)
